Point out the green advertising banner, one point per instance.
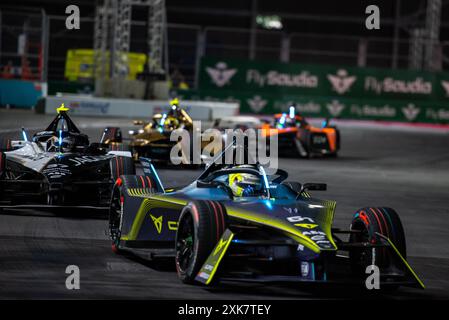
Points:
(326, 91)
(332, 107)
(316, 80)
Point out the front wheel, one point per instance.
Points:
(200, 227)
(5, 145)
(115, 217)
(366, 223)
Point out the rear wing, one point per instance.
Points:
(150, 171)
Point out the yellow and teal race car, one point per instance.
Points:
(236, 222)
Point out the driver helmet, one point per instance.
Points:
(171, 123)
(245, 184)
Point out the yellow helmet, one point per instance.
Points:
(171, 122)
(244, 184)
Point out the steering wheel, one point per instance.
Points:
(226, 188)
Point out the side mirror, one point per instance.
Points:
(314, 187)
(111, 134)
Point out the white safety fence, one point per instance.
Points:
(131, 108)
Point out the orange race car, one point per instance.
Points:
(297, 136)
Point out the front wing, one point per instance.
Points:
(209, 269)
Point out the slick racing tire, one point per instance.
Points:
(337, 142)
(367, 222)
(117, 203)
(2, 164)
(200, 227)
(337, 139)
(116, 215)
(121, 166)
(5, 145)
(2, 171)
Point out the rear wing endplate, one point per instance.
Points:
(150, 171)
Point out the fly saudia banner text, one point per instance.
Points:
(315, 80)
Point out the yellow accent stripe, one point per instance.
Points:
(170, 200)
(219, 258)
(330, 206)
(273, 223)
(145, 207)
(140, 192)
(173, 225)
(403, 260)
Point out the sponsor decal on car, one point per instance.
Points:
(157, 222)
(297, 219)
(55, 171)
(78, 161)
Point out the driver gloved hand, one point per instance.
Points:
(248, 191)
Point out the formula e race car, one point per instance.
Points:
(295, 133)
(59, 167)
(152, 140)
(237, 223)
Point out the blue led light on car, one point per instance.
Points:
(24, 134)
(157, 177)
(292, 112)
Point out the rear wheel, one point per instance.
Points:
(2, 172)
(2, 164)
(5, 145)
(367, 222)
(200, 227)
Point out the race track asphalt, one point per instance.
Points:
(406, 169)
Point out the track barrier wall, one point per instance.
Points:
(132, 108)
(21, 93)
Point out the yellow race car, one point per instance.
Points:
(152, 140)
